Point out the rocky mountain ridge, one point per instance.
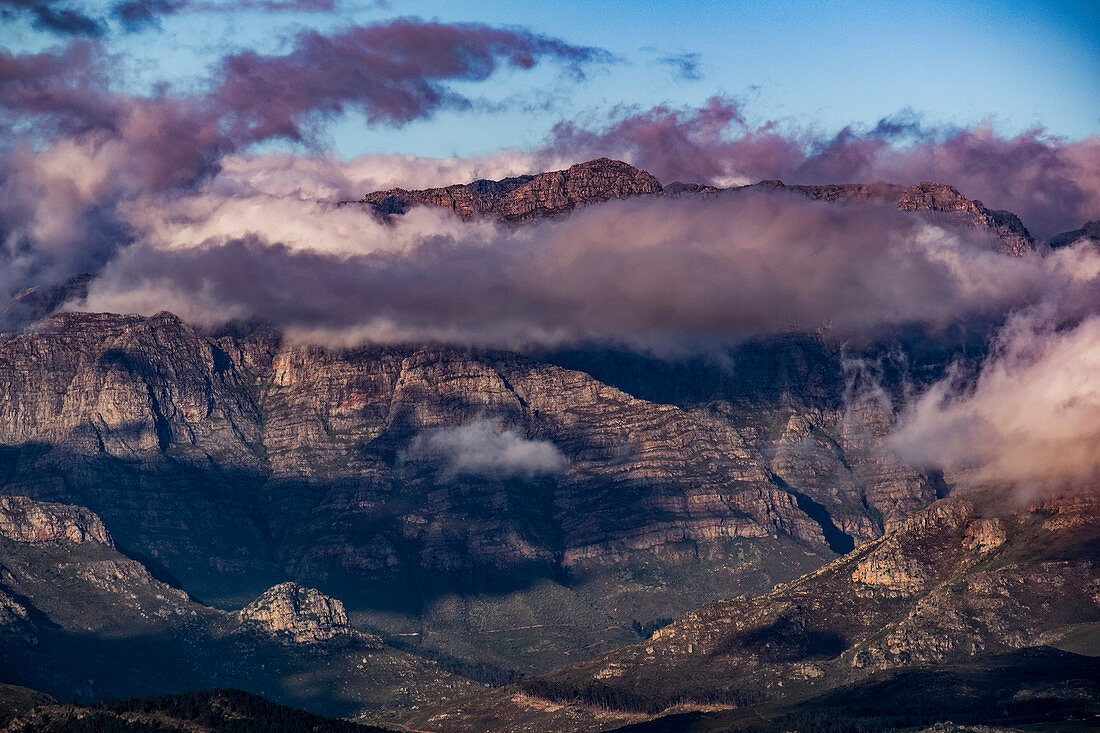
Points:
(525, 198)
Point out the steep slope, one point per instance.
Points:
(1042, 688)
(80, 620)
(955, 580)
(230, 464)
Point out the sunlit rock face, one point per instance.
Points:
(24, 520)
(303, 615)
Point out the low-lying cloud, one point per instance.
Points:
(1031, 417)
(659, 273)
(483, 448)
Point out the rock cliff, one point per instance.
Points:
(80, 620)
(303, 615)
(24, 520)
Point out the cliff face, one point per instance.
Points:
(526, 197)
(232, 464)
(951, 582)
(303, 615)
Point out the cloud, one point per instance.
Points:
(1052, 184)
(393, 73)
(82, 151)
(139, 14)
(657, 273)
(53, 17)
(1030, 418)
(683, 66)
(483, 448)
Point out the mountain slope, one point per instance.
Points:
(228, 711)
(78, 619)
(956, 580)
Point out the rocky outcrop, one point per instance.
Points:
(82, 621)
(526, 197)
(1010, 233)
(1007, 232)
(302, 615)
(25, 520)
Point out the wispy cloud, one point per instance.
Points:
(683, 66)
(484, 448)
(54, 16)
(82, 148)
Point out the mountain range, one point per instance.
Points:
(581, 537)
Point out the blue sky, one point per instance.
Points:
(816, 65)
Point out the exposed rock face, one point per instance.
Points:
(25, 520)
(526, 197)
(1008, 232)
(937, 197)
(302, 614)
(235, 462)
(950, 582)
